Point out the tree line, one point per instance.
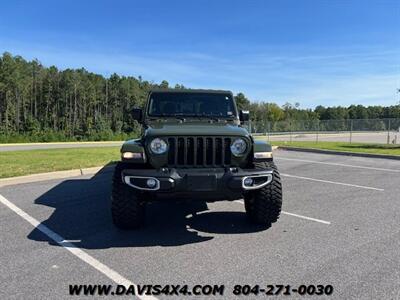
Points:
(39, 103)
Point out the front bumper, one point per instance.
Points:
(227, 183)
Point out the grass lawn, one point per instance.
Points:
(353, 147)
(18, 163)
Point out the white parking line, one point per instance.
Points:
(306, 218)
(296, 215)
(334, 182)
(82, 255)
(338, 164)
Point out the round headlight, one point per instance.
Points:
(158, 146)
(238, 147)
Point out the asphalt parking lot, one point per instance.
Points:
(340, 226)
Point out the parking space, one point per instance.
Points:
(339, 227)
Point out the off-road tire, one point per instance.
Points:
(127, 208)
(263, 206)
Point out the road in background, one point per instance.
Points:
(380, 131)
(355, 137)
(341, 230)
(34, 146)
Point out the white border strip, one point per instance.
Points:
(334, 182)
(82, 255)
(306, 218)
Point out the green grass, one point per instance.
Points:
(353, 147)
(18, 163)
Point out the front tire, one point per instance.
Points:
(127, 208)
(263, 206)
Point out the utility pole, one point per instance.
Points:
(106, 98)
(75, 109)
(351, 130)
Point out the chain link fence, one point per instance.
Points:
(379, 131)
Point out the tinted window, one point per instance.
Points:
(191, 104)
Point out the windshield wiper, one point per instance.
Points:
(166, 116)
(212, 117)
(181, 116)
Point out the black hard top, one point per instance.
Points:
(194, 91)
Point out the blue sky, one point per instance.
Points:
(334, 52)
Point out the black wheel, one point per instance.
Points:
(263, 206)
(127, 207)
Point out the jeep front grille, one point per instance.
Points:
(199, 151)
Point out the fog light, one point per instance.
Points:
(151, 183)
(248, 182)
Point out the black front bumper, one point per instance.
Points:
(210, 183)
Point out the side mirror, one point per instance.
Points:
(244, 115)
(137, 114)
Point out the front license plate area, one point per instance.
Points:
(201, 183)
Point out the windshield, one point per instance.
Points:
(191, 105)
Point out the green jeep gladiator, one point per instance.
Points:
(193, 146)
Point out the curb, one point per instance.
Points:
(321, 151)
(108, 168)
(61, 174)
(54, 175)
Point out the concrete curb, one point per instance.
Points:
(54, 175)
(321, 151)
(59, 174)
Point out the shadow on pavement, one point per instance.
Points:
(82, 215)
